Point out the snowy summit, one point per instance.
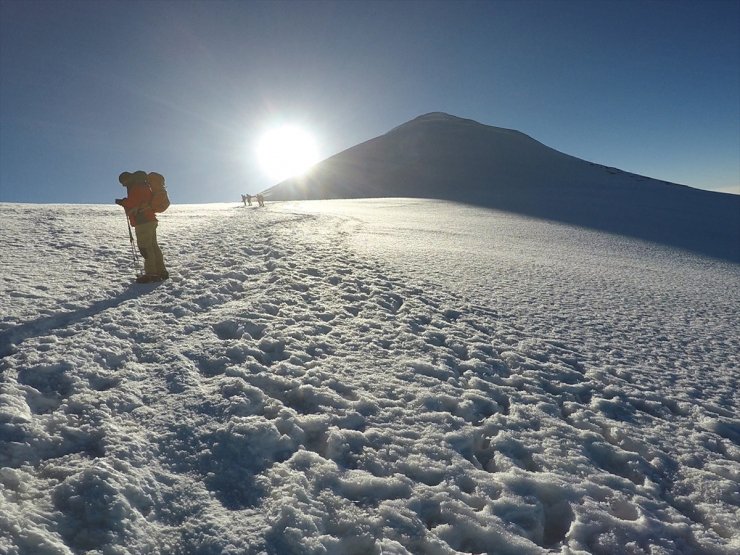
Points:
(379, 376)
(446, 157)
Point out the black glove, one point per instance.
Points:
(119, 201)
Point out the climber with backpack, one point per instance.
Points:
(146, 196)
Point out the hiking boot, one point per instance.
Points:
(149, 278)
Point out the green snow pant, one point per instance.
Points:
(146, 239)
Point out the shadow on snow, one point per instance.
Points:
(14, 336)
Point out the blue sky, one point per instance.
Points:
(89, 89)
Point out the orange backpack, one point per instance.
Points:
(160, 201)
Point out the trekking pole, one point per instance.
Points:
(137, 265)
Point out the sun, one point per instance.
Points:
(286, 151)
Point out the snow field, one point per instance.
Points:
(286, 392)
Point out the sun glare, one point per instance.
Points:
(286, 151)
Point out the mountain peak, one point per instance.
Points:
(441, 156)
(442, 120)
(437, 118)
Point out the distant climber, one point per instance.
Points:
(260, 200)
(244, 200)
(249, 199)
(137, 204)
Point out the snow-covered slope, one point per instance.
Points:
(444, 157)
(363, 377)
